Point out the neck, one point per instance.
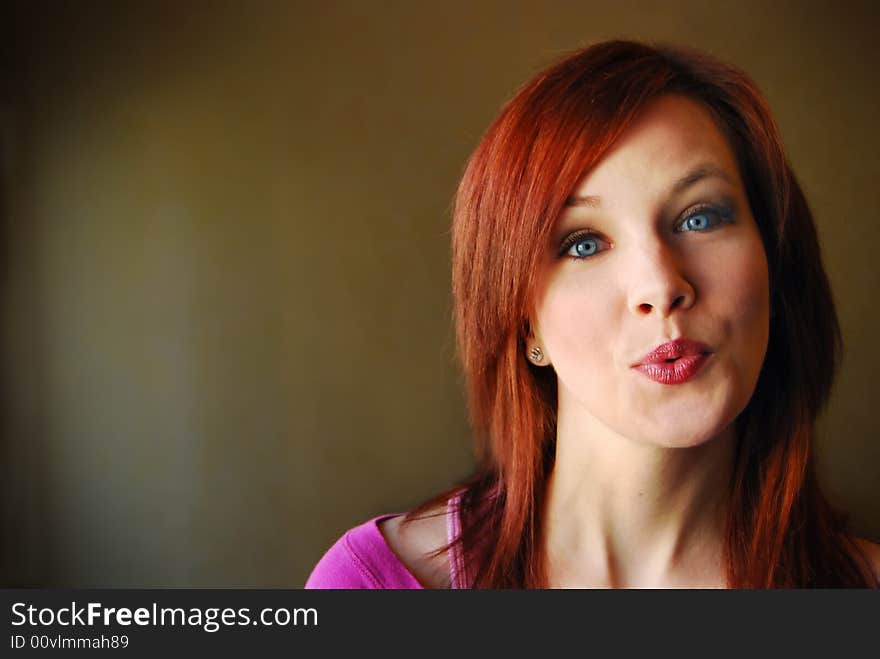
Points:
(622, 513)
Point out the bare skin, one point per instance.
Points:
(659, 525)
(657, 242)
(413, 544)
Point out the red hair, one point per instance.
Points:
(781, 532)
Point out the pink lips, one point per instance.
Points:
(674, 362)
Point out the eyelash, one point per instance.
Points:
(723, 212)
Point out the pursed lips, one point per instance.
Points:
(671, 351)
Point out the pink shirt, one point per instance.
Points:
(361, 558)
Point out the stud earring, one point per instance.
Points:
(536, 354)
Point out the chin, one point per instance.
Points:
(681, 435)
(684, 441)
(686, 424)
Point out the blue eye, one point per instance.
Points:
(706, 217)
(697, 222)
(584, 247)
(580, 245)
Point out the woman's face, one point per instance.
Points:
(656, 243)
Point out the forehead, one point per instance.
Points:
(670, 136)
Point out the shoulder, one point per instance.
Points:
(871, 550)
(416, 542)
(361, 558)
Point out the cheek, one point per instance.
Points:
(574, 317)
(741, 298)
(750, 288)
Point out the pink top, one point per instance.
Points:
(361, 558)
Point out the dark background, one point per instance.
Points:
(226, 322)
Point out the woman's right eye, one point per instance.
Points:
(581, 245)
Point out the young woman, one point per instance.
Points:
(648, 335)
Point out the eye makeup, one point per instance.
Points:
(578, 236)
(706, 216)
(722, 212)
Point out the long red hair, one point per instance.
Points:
(781, 532)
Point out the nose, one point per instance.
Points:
(659, 284)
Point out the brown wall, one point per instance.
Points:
(225, 293)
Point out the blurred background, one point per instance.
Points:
(227, 330)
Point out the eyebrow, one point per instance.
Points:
(698, 173)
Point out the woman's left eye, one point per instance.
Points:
(703, 218)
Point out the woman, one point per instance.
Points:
(648, 335)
